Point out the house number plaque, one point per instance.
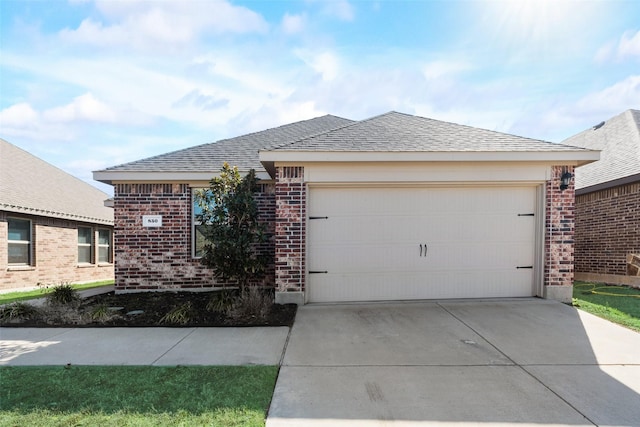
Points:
(152, 220)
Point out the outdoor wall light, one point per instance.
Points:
(565, 180)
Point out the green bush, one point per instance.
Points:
(18, 311)
(63, 294)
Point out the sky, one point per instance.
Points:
(89, 84)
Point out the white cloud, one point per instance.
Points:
(83, 108)
(556, 121)
(629, 45)
(162, 25)
(444, 68)
(341, 9)
(20, 115)
(326, 63)
(293, 24)
(613, 99)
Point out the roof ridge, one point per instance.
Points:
(284, 144)
(246, 135)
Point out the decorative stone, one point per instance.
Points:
(135, 312)
(115, 308)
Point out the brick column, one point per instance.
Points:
(559, 234)
(290, 234)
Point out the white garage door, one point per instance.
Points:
(397, 243)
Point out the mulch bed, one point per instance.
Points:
(152, 306)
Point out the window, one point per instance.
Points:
(19, 241)
(104, 246)
(85, 245)
(197, 236)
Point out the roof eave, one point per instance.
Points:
(109, 177)
(565, 157)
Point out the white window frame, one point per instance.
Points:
(89, 245)
(109, 246)
(28, 243)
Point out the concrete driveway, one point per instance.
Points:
(525, 362)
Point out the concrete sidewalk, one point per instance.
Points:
(142, 346)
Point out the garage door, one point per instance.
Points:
(401, 243)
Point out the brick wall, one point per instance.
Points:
(559, 233)
(54, 254)
(290, 229)
(607, 229)
(154, 258)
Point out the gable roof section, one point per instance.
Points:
(203, 161)
(32, 186)
(619, 140)
(401, 137)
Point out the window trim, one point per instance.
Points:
(92, 259)
(195, 223)
(28, 243)
(109, 246)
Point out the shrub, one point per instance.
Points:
(222, 301)
(18, 311)
(180, 315)
(102, 314)
(231, 227)
(253, 302)
(63, 294)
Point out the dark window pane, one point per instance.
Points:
(19, 229)
(104, 237)
(84, 235)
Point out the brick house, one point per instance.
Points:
(608, 202)
(54, 228)
(395, 207)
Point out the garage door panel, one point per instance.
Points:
(415, 243)
(409, 286)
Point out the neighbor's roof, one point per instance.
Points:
(619, 140)
(203, 161)
(403, 137)
(32, 186)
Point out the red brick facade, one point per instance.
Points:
(607, 229)
(161, 258)
(150, 258)
(291, 200)
(559, 233)
(54, 254)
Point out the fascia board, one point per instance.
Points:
(578, 157)
(109, 177)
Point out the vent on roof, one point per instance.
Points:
(598, 126)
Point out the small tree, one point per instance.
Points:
(231, 228)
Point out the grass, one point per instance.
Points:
(618, 304)
(10, 297)
(135, 395)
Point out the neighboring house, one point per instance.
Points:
(54, 228)
(608, 202)
(396, 207)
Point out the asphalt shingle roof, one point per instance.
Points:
(400, 132)
(241, 151)
(32, 186)
(619, 140)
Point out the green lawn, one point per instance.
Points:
(136, 395)
(618, 304)
(10, 297)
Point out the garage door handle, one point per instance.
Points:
(425, 249)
